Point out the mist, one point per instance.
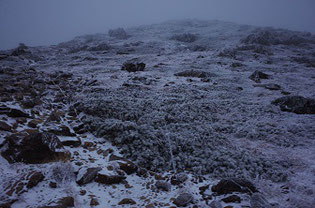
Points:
(43, 22)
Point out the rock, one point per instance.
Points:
(30, 103)
(127, 201)
(165, 186)
(14, 113)
(61, 131)
(258, 75)
(186, 37)
(230, 185)
(179, 178)
(194, 73)
(272, 87)
(33, 148)
(70, 141)
(34, 123)
(257, 200)
(183, 199)
(109, 179)
(4, 126)
(21, 184)
(34, 179)
(94, 202)
(52, 184)
(79, 129)
(133, 67)
(66, 202)
(203, 189)
(118, 33)
(215, 204)
(128, 167)
(55, 116)
(232, 199)
(296, 104)
(87, 175)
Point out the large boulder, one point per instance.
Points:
(118, 33)
(230, 185)
(133, 67)
(258, 75)
(296, 104)
(13, 112)
(109, 179)
(183, 199)
(33, 148)
(86, 175)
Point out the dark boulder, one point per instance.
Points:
(194, 73)
(4, 126)
(109, 179)
(127, 201)
(33, 148)
(14, 113)
(230, 185)
(86, 175)
(232, 199)
(133, 67)
(296, 104)
(258, 75)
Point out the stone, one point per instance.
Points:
(66, 202)
(257, 200)
(232, 199)
(183, 199)
(33, 148)
(163, 185)
(258, 75)
(87, 175)
(296, 104)
(128, 167)
(4, 126)
(70, 141)
(109, 179)
(34, 179)
(94, 202)
(179, 178)
(52, 184)
(272, 87)
(230, 185)
(127, 201)
(14, 113)
(133, 67)
(195, 73)
(61, 131)
(33, 123)
(215, 204)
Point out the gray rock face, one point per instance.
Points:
(183, 200)
(87, 175)
(215, 204)
(165, 186)
(257, 200)
(296, 104)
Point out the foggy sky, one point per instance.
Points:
(45, 22)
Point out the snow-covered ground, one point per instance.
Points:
(213, 122)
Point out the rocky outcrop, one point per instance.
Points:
(258, 75)
(87, 175)
(133, 67)
(296, 104)
(186, 37)
(230, 185)
(33, 148)
(183, 199)
(118, 33)
(109, 179)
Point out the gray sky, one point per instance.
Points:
(45, 22)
